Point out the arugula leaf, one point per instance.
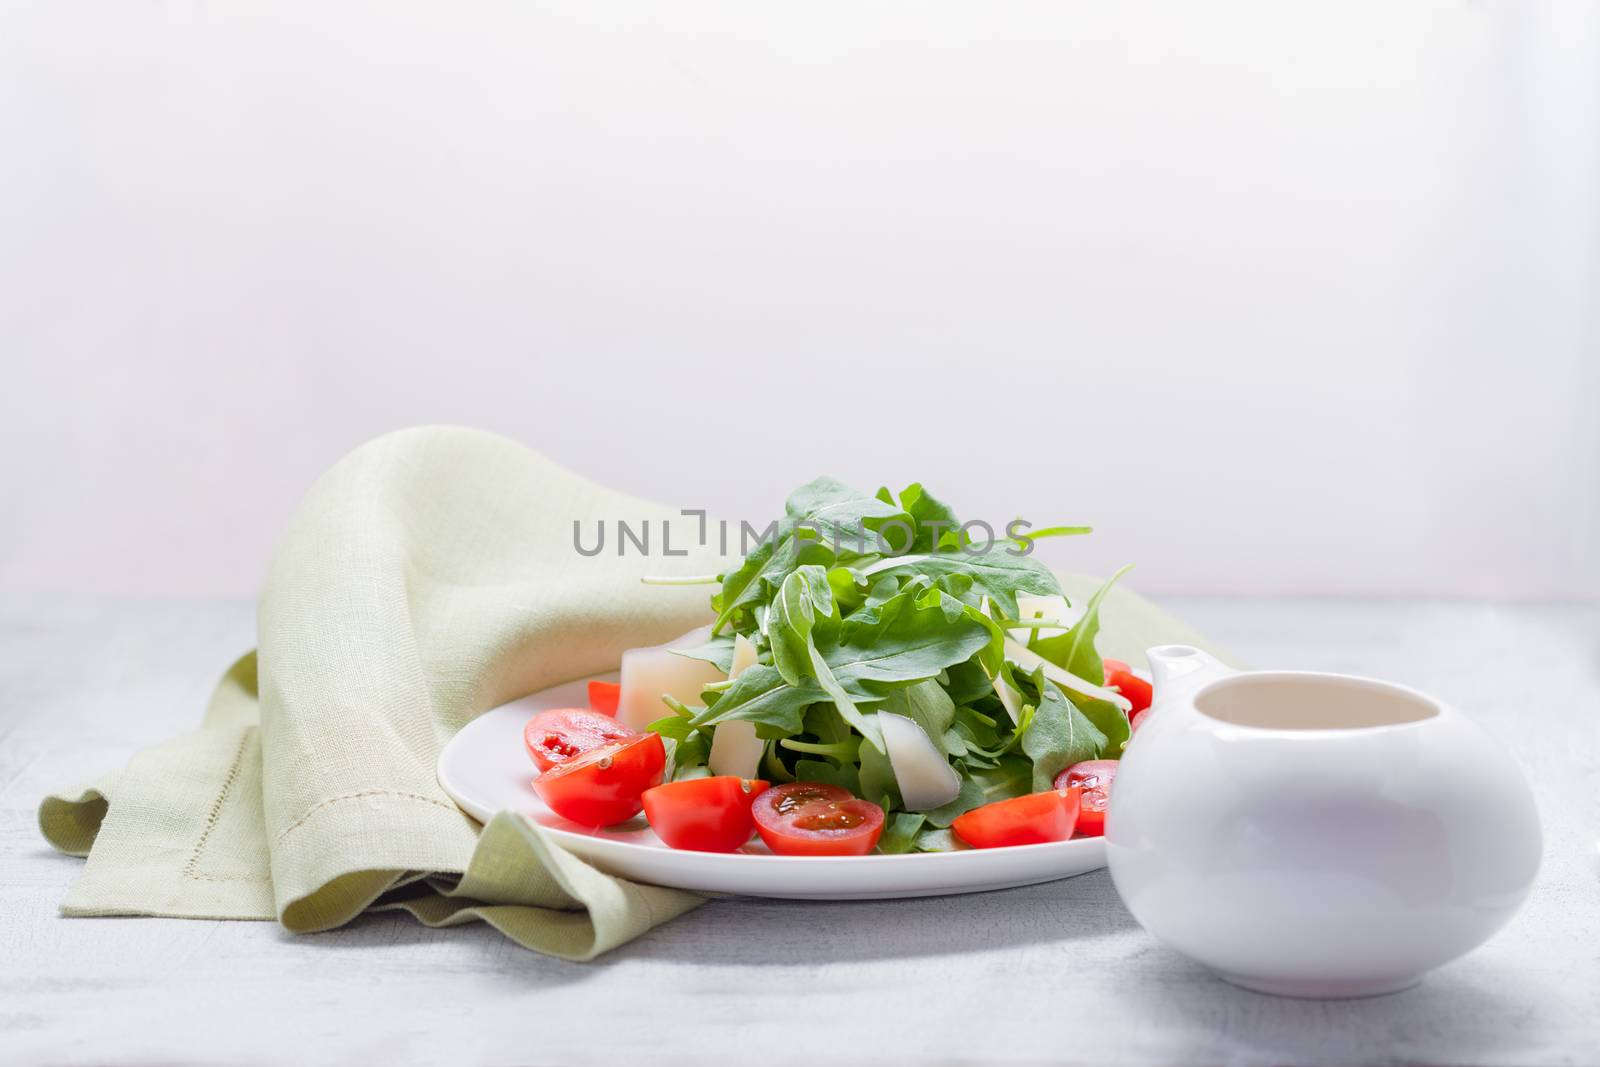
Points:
(906, 643)
(842, 700)
(1058, 736)
(792, 616)
(718, 651)
(900, 832)
(811, 770)
(688, 758)
(741, 586)
(936, 523)
(1109, 719)
(993, 654)
(938, 840)
(673, 727)
(1074, 650)
(880, 593)
(883, 590)
(762, 696)
(968, 683)
(750, 587)
(978, 734)
(848, 587)
(997, 574)
(772, 767)
(824, 722)
(842, 515)
(826, 521)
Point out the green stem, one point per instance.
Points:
(1034, 624)
(678, 707)
(842, 750)
(981, 717)
(889, 563)
(1059, 531)
(683, 579)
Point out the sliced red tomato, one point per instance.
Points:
(563, 734)
(703, 814)
(813, 819)
(1130, 685)
(1137, 719)
(604, 785)
(1030, 820)
(604, 697)
(1094, 776)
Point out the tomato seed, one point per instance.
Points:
(797, 798)
(832, 817)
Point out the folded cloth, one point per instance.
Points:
(429, 576)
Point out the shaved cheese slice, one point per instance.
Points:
(693, 639)
(649, 672)
(735, 748)
(1031, 661)
(925, 778)
(744, 655)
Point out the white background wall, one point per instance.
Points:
(1281, 297)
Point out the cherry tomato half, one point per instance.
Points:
(703, 814)
(1121, 677)
(604, 697)
(1030, 820)
(813, 819)
(1095, 776)
(604, 785)
(563, 734)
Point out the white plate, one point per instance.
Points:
(486, 770)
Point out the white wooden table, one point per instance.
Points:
(1055, 972)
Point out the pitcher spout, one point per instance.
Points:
(1182, 667)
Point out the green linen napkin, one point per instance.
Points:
(429, 576)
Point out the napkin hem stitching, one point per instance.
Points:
(330, 801)
(191, 869)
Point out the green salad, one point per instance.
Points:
(874, 645)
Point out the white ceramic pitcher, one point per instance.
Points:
(1315, 834)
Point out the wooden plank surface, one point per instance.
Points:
(1049, 973)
